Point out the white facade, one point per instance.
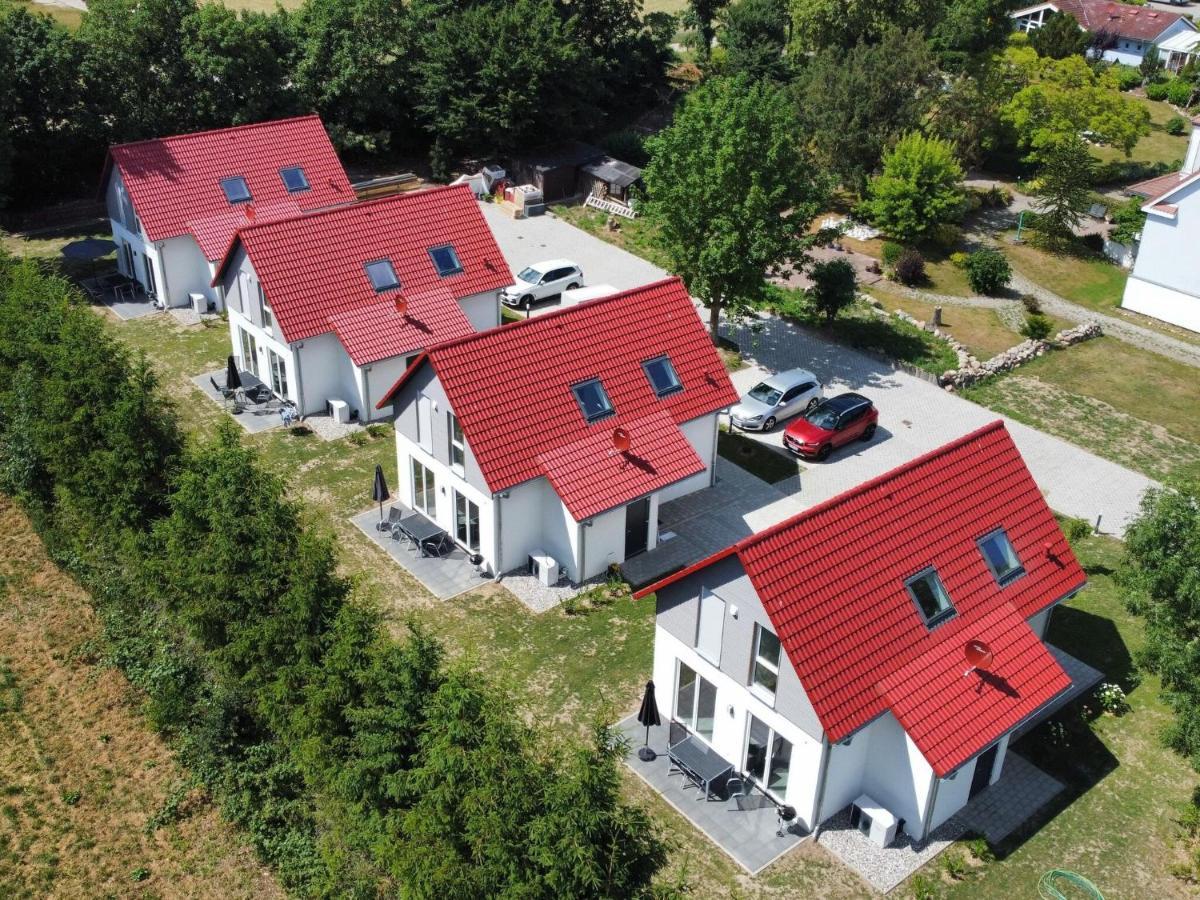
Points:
(171, 270)
(1165, 281)
(314, 371)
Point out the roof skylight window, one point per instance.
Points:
(1000, 557)
(382, 275)
(661, 375)
(930, 596)
(236, 190)
(593, 401)
(445, 260)
(294, 179)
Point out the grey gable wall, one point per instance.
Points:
(424, 381)
(677, 611)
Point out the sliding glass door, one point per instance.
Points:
(695, 702)
(466, 522)
(768, 757)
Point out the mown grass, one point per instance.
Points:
(760, 460)
(81, 775)
(64, 15)
(942, 276)
(1083, 278)
(1128, 405)
(1157, 146)
(1115, 823)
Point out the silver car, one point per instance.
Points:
(777, 398)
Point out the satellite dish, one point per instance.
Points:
(401, 305)
(249, 210)
(978, 654)
(620, 439)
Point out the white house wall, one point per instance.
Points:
(702, 435)
(897, 776)
(603, 542)
(376, 379)
(1161, 302)
(1165, 282)
(187, 271)
(482, 310)
(734, 704)
(844, 774)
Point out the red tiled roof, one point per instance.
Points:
(832, 578)
(214, 232)
(175, 182)
(1155, 187)
(377, 331)
(311, 267)
(511, 390)
(591, 476)
(951, 714)
(1140, 23)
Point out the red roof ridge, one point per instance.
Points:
(211, 131)
(859, 489)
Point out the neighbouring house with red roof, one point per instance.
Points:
(1126, 32)
(1165, 281)
(334, 305)
(558, 437)
(175, 202)
(825, 658)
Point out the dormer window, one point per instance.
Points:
(661, 375)
(382, 275)
(294, 179)
(593, 401)
(930, 596)
(445, 260)
(236, 190)
(1000, 557)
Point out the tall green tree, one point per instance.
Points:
(853, 105)
(843, 24)
(730, 191)
(702, 15)
(834, 287)
(1064, 189)
(754, 34)
(1161, 578)
(1059, 37)
(920, 188)
(970, 30)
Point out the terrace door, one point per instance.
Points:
(983, 770)
(637, 526)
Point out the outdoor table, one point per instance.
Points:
(422, 532)
(700, 762)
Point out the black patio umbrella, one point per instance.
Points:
(379, 493)
(648, 716)
(233, 380)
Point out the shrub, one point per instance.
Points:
(923, 888)
(1179, 92)
(979, 848)
(1176, 125)
(959, 259)
(1093, 242)
(910, 268)
(1077, 530)
(988, 271)
(1156, 91)
(945, 236)
(1031, 303)
(1112, 699)
(891, 252)
(1127, 77)
(1037, 327)
(998, 197)
(626, 145)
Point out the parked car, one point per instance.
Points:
(541, 281)
(834, 423)
(776, 398)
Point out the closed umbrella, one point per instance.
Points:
(648, 716)
(233, 380)
(380, 493)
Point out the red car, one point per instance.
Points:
(834, 423)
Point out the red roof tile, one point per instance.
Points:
(311, 267)
(591, 476)
(377, 331)
(832, 578)
(1140, 23)
(214, 232)
(1153, 188)
(511, 390)
(951, 714)
(175, 182)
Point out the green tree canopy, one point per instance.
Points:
(1059, 37)
(754, 34)
(1064, 189)
(919, 188)
(834, 287)
(730, 191)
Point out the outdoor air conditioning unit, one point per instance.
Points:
(873, 820)
(199, 303)
(543, 568)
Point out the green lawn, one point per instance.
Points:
(634, 235)
(1088, 280)
(1129, 405)
(64, 15)
(1157, 146)
(758, 459)
(943, 277)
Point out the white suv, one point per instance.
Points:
(541, 281)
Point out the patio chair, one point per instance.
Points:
(227, 396)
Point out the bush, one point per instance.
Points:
(1093, 242)
(1112, 699)
(988, 271)
(1031, 303)
(628, 146)
(945, 236)
(979, 848)
(954, 865)
(998, 197)
(1179, 92)
(1176, 125)
(1128, 77)
(1037, 327)
(910, 268)
(891, 252)
(959, 259)
(1077, 530)
(1156, 91)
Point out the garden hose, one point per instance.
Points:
(1048, 886)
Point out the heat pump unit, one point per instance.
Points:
(873, 820)
(543, 568)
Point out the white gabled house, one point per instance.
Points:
(175, 202)
(558, 437)
(1165, 281)
(1126, 32)
(334, 305)
(825, 657)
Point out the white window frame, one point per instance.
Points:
(264, 309)
(471, 543)
(763, 778)
(249, 352)
(691, 720)
(425, 423)
(424, 495)
(759, 690)
(710, 612)
(458, 446)
(278, 369)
